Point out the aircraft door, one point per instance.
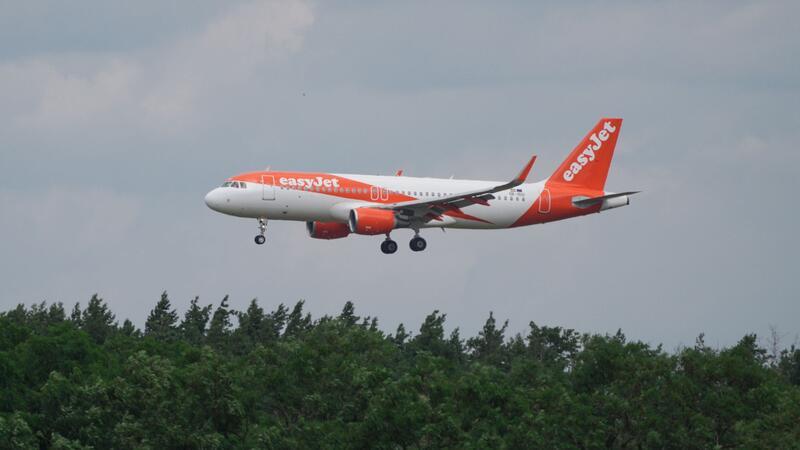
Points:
(267, 187)
(544, 202)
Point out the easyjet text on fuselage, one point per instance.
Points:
(309, 182)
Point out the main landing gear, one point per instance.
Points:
(388, 246)
(417, 244)
(262, 228)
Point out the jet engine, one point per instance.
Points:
(327, 230)
(372, 221)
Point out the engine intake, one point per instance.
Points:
(327, 230)
(372, 221)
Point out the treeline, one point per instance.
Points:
(220, 378)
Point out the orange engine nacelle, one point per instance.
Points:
(327, 230)
(372, 221)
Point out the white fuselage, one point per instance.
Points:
(273, 197)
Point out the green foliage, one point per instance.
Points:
(162, 321)
(488, 346)
(15, 433)
(97, 320)
(280, 379)
(220, 328)
(789, 365)
(193, 327)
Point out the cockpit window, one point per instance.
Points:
(226, 184)
(242, 184)
(236, 184)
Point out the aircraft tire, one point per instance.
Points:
(388, 246)
(418, 244)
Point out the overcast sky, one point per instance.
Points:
(118, 117)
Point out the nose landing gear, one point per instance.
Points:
(262, 228)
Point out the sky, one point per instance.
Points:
(117, 117)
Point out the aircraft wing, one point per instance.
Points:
(432, 209)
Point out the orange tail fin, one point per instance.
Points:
(587, 165)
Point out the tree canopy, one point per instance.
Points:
(282, 379)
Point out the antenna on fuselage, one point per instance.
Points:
(268, 168)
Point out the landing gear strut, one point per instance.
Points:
(417, 244)
(262, 228)
(388, 246)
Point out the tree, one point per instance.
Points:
(161, 323)
(97, 320)
(195, 320)
(41, 316)
(554, 346)
(339, 382)
(220, 327)
(277, 321)
(254, 327)
(488, 345)
(789, 365)
(56, 313)
(129, 329)
(455, 347)
(400, 336)
(431, 335)
(15, 433)
(75, 315)
(297, 323)
(348, 316)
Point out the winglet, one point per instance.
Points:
(523, 175)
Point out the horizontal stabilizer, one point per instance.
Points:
(591, 201)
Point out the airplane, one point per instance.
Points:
(335, 205)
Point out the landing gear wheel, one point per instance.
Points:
(388, 246)
(418, 244)
(262, 228)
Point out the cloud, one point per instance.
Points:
(165, 90)
(108, 148)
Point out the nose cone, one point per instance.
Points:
(214, 200)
